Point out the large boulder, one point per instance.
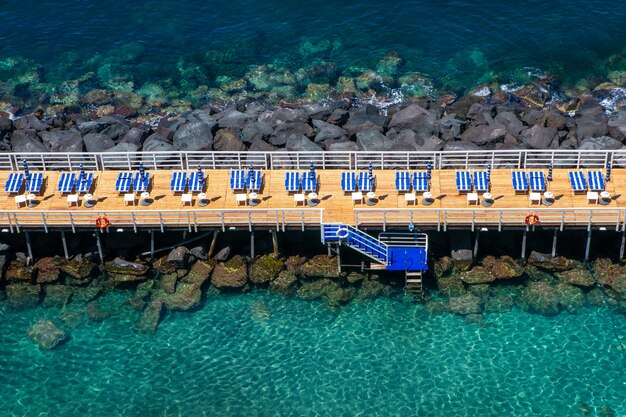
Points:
(199, 272)
(194, 136)
(178, 256)
(485, 134)
(228, 140)
(320, 266)
(30, 122)
(540, 297)
(465, 304)
(301, 143)
(230, 274)
(150, 317)
(330, 291)
(477, 275)
(416, 118)
(256, 131)
(549, 263)
(46, 334)
(57, 295)
(284, 284)
(511, 122)
(17, 271)
(461, 145)
(79, 269)
(372, 140)
(233, 118)
(327, 131)
(97, 142)
(504, 267)
(602, 143)
(121, 271)
(27, 141)
(48, 270)
(63, 140)
(591, 122)
(265, 269)
(539, 137)
(23, 296)
(611, 276)
(186, 297)
(361, 122)
(579, 277)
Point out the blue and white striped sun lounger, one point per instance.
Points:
(14, 182)
(366, 183)
(348, 181)
(403, 181)
(195, 185)
(66, 182)
(257, 183)
(420, 181)
(124, 179)
(520, 181)
(292, 181)
(179, 182)
(237, 179)
(309, 181)
(480, 181)
(537, 181)
(83, 184)
(577, 180)
(596, 180)
(34, 182)
(140, 184)
(463, 181)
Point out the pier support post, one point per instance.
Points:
(476, 243)
(252, 244)
(29, 248)
(554, 242)
(274, 241)
(151, 244)
(339, 258)
(623, 245)
(588, 246)
(524, 243)
(213, 242)
(99, 245)
(65, 252)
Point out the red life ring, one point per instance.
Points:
(102, 222)
(531, 219)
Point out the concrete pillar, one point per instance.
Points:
(275, 242)
(623, 245)
(588, 246)
(524, 243)
(65, 251)
(29, 247)
(476, 243)
(99, 244)
(554, 239)
(151, 244)
(213, 242)
(252, 244)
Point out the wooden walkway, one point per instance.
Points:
(337, 206)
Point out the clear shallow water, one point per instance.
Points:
(188, 43)
(261, 355)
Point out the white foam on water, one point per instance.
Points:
(483, 92)
(616, 96)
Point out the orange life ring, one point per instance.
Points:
(531, 219)
(102, 222)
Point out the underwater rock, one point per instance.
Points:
(186, 297)
(199, 272)
(88, 293)
(477, 275)
(498, 303)
(330, 291)
(71, 318)
(540, 297)
(284, 284)
(579, 277)
(465, 304)
(150, 317)
(611, 276)
(80, 269)
(46, 334)
(548, 263)
(23, 296)
(265, 269)
(571, 298)
(371, 289)
(19, 272)
(168, 282)
(230, 274)
(504, 267)
(97, 312)
(57, 295)
(355, 277)
(451, 286)
(97, 97)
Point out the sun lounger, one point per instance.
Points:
(254, 184)
(66, 182)
(179, 182)
(14, 182)
(292, 181)
(596, 180)
(196, 182)
(83, 184)
(140, 184)
(348, 181)
(420, 181)
(366, 183)
(403, 181)
(463, 181)
(577, 180)
(34, 182)
(520, 181)
(237, 179)
(122, 184)
(537, 181)
(480, 181)
(309, 181)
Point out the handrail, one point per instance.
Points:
(188, 160)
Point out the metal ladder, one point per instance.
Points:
(413, 283)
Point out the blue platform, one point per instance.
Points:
(407, 259)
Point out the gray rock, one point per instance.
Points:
(341, 145)
(591, 122)
(539, 137)
(199, 252)
(135, 135)
(461, 146)
(373, 140)
(338, 117)
(228, 140)
(301, 143)
(157, 146)
(617, 125)
(30, 122)
(46, 334)
(233, 118)
(116, 131)
(178, 256)
(63, 140)
(123, 147)
(361, 122)
(485, 134)
(167, 127)
(282, 116)
(451, 127)
(416, 118)
(511, 122)
(326, 131)
(600, 144)
(97, 142)
(223, 254)
(27, 141)
(256, 130)
(91, 126)
(203, 116)
(295, 128)
(194, 136)
(259, 145)
(150, 317)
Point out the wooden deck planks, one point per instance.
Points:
(337, 204)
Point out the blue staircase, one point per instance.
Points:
(357, 240)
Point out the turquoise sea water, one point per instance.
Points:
(259, 354)
(189, 44)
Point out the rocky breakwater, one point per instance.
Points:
(544, 285)
(487, 119)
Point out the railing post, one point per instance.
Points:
(500, 220)
(72, 222)
(10, 222)
(132, 217)
(161, 222)
(562, 220)
(43, 221)
(222, 220)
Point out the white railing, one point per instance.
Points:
(518, 159)
(280, 219)
(443, 218)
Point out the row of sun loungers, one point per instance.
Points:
(15, 180)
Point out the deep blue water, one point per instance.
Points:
(189, 43)
(259, 354)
